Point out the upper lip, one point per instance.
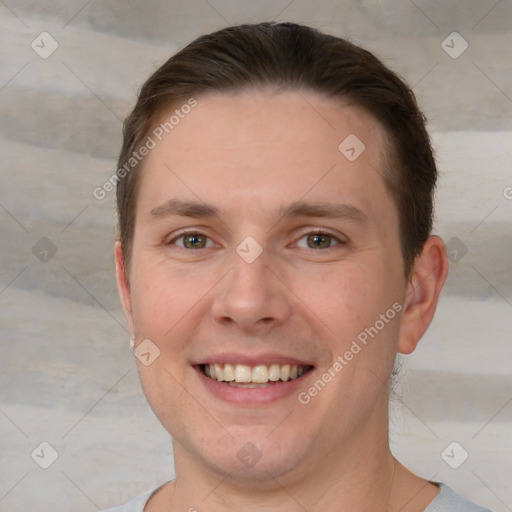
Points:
(252, 360)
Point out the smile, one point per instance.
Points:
(241, 375)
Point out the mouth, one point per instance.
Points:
(254, 376)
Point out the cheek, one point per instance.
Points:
(163, 307)
(350, 300)
(347, 298)
(162, 296)
(160, 383)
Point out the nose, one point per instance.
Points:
(252, 296)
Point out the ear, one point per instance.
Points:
(425, 284)
(123, 285)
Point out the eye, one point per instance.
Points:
(192, 241)
(317, 240)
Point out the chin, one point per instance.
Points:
(252, 457)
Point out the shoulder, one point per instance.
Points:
(446, 501)
(135, 505)
(449, 501)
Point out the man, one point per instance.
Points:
(275, 209)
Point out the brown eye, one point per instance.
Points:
(192, 241)
(319, 241)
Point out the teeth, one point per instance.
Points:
(219, 372)
(285, 372)
(274, 372)
(229, 372)
(243, 373)
(260, 374)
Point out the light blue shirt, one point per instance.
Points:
(446, 501)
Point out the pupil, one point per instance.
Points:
(320, 241)
(194, 241)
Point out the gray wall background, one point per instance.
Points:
(67, 376)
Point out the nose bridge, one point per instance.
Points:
(249, 282)
(251, 294)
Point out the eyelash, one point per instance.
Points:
(305, 234)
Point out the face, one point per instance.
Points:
(265, 254)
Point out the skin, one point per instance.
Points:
(250, 155)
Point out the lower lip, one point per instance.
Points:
(252, 396)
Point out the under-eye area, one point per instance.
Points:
(246, 376)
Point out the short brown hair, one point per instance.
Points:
(291, 56)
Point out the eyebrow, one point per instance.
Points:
(185, 208)
(198, 210)
(325, 210)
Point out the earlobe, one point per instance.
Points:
(427, 279)
(123, 285)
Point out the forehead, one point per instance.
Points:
(266, 145)
(289, 118)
